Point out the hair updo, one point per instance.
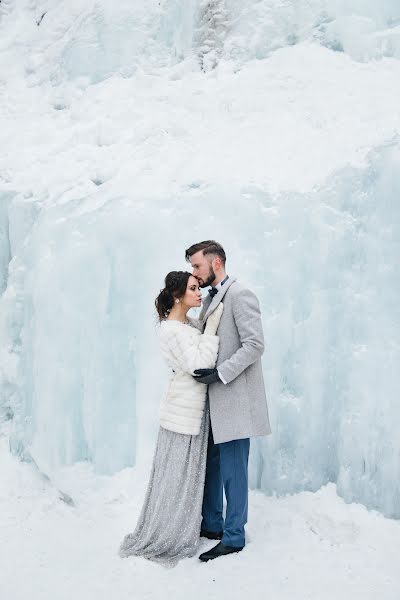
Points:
(175, 287)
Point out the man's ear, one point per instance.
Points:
(217, 263)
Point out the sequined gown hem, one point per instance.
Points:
(169, 523)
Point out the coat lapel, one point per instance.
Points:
(210, 304)
(206, 303)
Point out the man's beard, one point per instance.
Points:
(209, 280)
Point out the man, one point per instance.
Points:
(238, 406)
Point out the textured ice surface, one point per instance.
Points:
(362, 29)
(117, 152)
(332, 315)
(76, 372)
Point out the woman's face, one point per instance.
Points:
(192, 297)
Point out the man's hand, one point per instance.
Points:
(206, 376)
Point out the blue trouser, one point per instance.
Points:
(226, 470)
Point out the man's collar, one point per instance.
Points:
(221, 283)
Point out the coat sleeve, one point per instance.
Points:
(247, 316)
(192, 350)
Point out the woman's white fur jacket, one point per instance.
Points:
(185, 349)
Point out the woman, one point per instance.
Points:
(169, 524)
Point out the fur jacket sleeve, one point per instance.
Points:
(185, 348)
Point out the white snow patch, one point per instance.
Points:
(306, 546)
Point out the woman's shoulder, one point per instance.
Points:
(173, 322)
(170, 327)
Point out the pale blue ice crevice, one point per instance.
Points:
(73, 375)
(19, 214)
(5, 251)
(176, 27)
(5, 256)
(364, 30)
(369, 444)
(332, 323)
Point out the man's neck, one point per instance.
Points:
(218, 279)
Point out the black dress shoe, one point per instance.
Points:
(219, 550)
(211, 535)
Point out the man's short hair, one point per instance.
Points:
(208, 247)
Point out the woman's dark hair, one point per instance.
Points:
(175, 288)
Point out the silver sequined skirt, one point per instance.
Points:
(169, 524)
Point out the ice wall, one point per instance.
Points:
(74, 396)
(149, 126)
(4, 241)
(364, 30)
(333, 335)
(93, 40)
(323, 265)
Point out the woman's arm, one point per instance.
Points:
(190, 349)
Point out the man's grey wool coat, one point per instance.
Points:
(238, 409)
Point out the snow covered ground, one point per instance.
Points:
(309, 546)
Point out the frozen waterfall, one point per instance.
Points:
(129, 132)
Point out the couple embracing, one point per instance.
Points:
(214, 404)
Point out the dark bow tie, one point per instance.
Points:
(212, 292)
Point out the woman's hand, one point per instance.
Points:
(206, 376)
